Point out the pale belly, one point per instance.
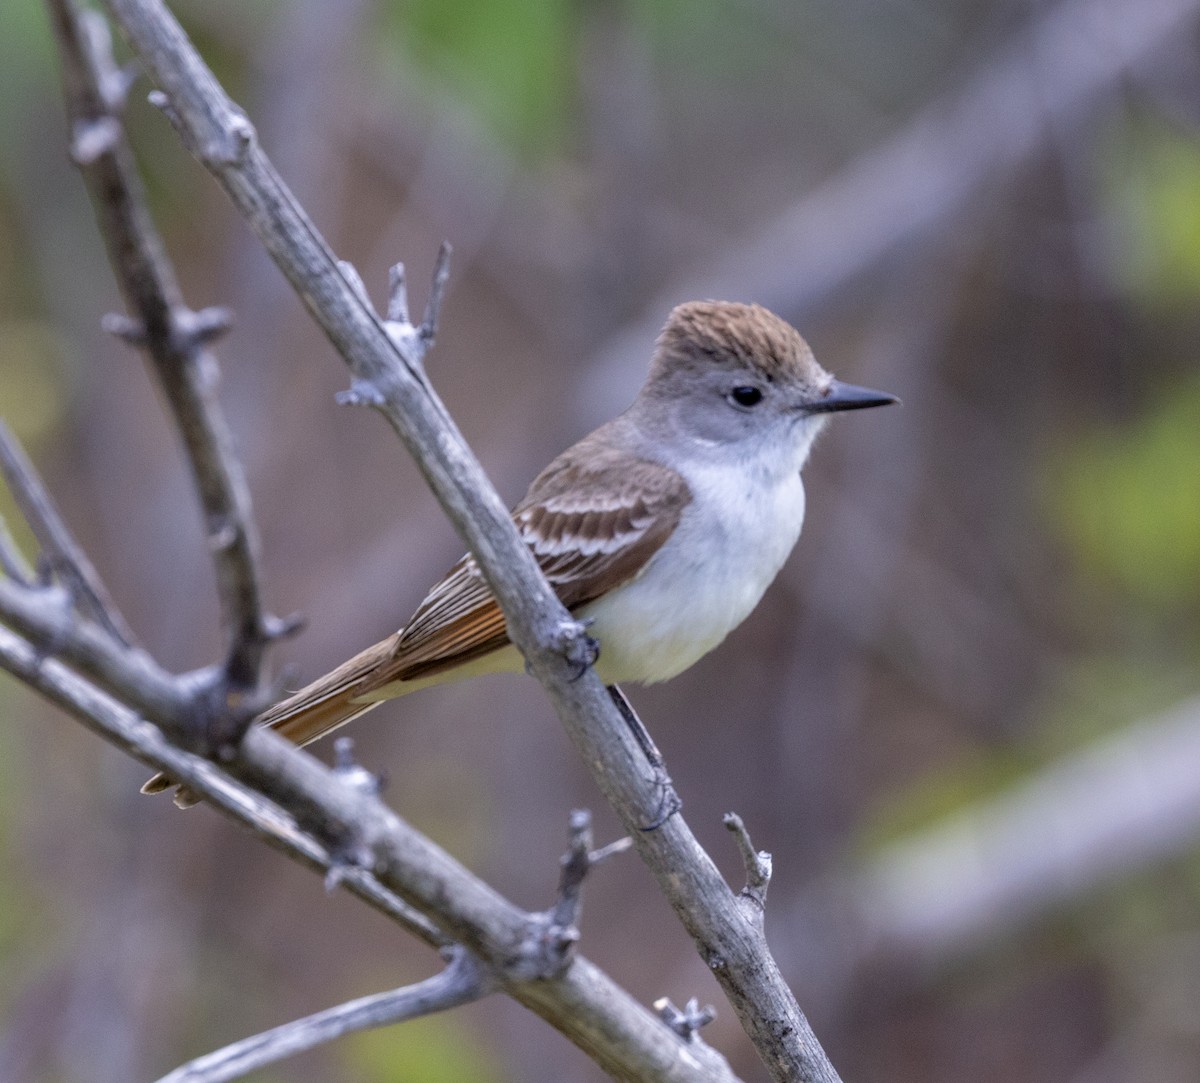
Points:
(699, 587)
(693, 592)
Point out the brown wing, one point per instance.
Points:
(593, 522)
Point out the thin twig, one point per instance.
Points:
(576, 863)
(12, 561)
(756, 862)
(461, 982)
(433, 307)
(66, 558)
(397, 308)
(173, 337)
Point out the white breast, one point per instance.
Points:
(730, 544)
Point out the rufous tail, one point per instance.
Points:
(315, 710)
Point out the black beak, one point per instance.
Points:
(840, 396)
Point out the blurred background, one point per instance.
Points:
(965, 720)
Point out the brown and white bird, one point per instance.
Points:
(662, 528)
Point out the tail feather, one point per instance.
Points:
(313, 711)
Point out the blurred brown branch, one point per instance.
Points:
(1114, 807)
(918, 182)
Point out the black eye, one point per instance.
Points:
(746, 396)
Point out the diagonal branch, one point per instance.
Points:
(389, 374)
(174, 338)
(400, 872)
(45, 616)
(67, 561)
(12, 560)
(461, 982)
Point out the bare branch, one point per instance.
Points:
(66, 559)
(45, 616)
(388, 372)
(174, 337)
(576, 863)
(757, 862)
(461, 982)
(1115, 806)
(403, 871)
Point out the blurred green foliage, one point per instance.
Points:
(1127, 501)
(937, 795)
(27, 66)
(508, 62)
(1152, 185)
(435, 1049)
(31, 924)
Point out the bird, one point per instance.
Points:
(661, 530)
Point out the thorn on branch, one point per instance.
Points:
(93, 138)
(230, 145)
(397, 310)
(352, 773)
(347, 859)
(757, 862)
(687, 1022)
(126, 328)
(441, 275)
(163, 104)
(203, 328)
(276, 628)
(617, 846)
(360, 393)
